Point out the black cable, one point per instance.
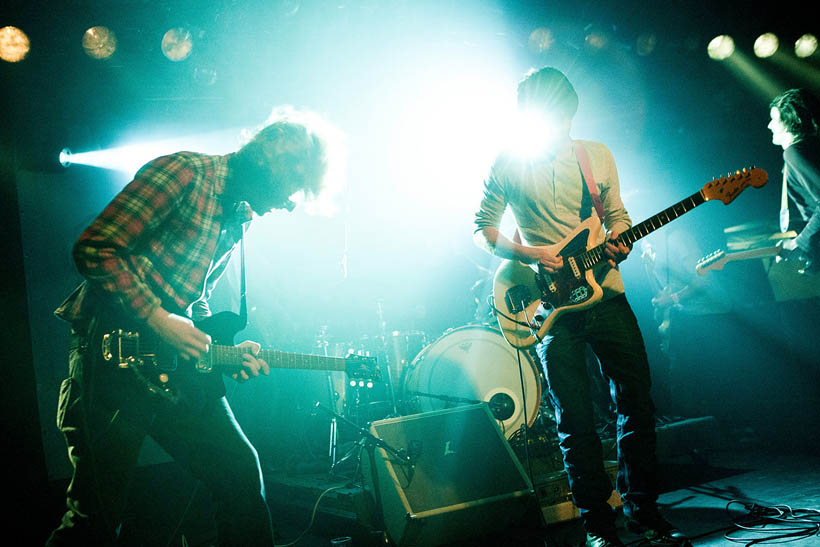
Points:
(779, 523)
(524, 428)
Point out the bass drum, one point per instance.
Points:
(473, 363)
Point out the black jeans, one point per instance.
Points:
(611, 330)
(105, 416)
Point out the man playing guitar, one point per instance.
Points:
(795, 126)
(549, 197)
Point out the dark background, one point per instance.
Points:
(418, 89)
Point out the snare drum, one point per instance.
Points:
(474, 363)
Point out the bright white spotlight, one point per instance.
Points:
(766, 45)
(65, 157)
(130, 157)
(721, 47)
(805, 46)
(532, 133)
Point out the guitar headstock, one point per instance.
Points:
(712, 261)
(362, 368)
(727, 188)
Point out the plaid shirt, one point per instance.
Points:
(155, 243)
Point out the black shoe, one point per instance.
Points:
(657, 530)
(603, 540)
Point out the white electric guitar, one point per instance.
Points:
(528, 299)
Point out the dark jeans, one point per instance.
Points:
(611, 330)
(105, 416)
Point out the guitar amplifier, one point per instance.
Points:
(465, 481)
(555, 496)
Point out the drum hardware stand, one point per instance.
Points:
(370, 442)
(383, 332)
(333, 439)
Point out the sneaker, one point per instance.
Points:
(603, 540)
(657, 530)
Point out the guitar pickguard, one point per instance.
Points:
(568, 286)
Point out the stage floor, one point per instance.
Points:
(167, 507)
(703, 495)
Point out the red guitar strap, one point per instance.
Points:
(586, 174)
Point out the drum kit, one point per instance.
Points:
(465, 365)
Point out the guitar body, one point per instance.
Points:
(529, 300)
(120, 342)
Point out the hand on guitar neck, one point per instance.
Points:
(616, 251)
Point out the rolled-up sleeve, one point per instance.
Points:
(616, 217)
(493, 203)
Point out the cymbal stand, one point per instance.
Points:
(367, 439)
(333, 439)
(389, 365)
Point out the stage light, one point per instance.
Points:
(65, 157)
(532, 133)
(14, 44)
(128, 158)
(177, 44)
(540, 40)
(805, 46)
(766, 45)
(99, 42)
(596, 40)
(721, 47)
(646, 43)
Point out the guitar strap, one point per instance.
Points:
(784, 201)
(586, 174)
(243, 304)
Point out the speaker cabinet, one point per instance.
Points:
(465, 480)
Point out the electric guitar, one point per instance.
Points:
(528, 299)
(115, 342)
(718, 259)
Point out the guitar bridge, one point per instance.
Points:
(122, 347)
(517, 298)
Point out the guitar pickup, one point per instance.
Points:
(517, 298)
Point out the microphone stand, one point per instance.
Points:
(370, 442)
(445, 398)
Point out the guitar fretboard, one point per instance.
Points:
(232, 356)
(594, 256)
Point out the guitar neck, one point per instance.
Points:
(595, 256)
(232, 356)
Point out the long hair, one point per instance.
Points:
(300, 151)
(799, 111)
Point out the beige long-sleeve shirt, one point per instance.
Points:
(549, 199)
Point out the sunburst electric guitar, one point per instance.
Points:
(528, 299)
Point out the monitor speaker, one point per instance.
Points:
(463, 479)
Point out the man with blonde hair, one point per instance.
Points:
(152, 258)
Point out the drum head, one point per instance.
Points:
(474, 363)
